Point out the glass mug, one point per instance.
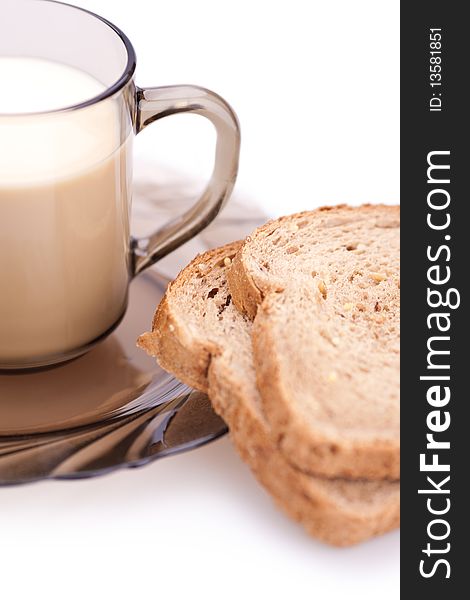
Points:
(66, 253)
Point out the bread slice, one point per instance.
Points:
(198, 335)
(324, 286)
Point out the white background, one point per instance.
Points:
(316, 88)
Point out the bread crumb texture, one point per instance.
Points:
(332, 305)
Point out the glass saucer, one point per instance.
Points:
(113, 407)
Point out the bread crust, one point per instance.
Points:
(245, 293)
(312, 501)
(307, 449)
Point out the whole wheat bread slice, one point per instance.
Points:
(324, 286)
(198, 335)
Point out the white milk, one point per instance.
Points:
(64, 211)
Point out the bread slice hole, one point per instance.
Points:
(223, 306)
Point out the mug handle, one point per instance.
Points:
(159, 102)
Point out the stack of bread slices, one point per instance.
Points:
(294, 335)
